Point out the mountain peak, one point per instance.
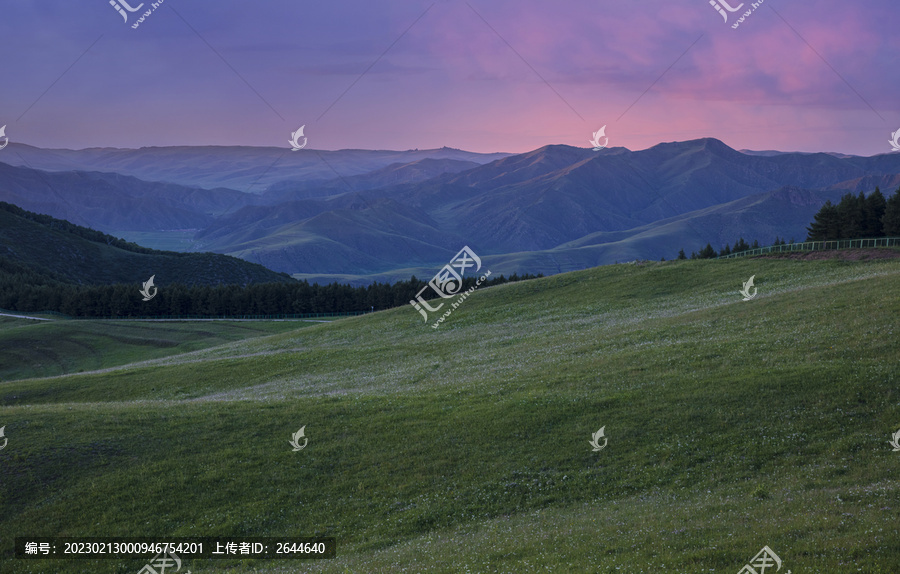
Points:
(709, 145)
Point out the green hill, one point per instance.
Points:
(46, 248)
(31, 349)
(731, 425)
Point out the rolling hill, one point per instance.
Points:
(394, 174)
(63, 347)
(554, 209)
(373, 217)
(46, 248)
(784, 212)
(110, 202)
(731, 426)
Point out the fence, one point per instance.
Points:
(193, 317)
(818, 246)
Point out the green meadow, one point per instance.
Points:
(731, 425)
(44, 349)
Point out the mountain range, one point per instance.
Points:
(357, 215)
(242, 168)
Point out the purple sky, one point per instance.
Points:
(482, 75)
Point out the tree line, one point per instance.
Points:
(854, 217)
(28, 292)
(857, 217)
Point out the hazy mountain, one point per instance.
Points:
(887, 183)
(784, 213)
(551, 209)
(549, 200)
(58, 250)
(771, 152)
(394, 174)
(346, 235)
(109, 201)
(247, 169)
(557, 194)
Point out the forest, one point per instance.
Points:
(32, 293)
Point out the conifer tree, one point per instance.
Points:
(851, 215)
(826, 224)
(891, 218)
(707, 252)
(874, 211)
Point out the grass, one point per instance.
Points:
(732, 425)
(31, 348)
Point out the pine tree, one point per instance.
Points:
(851, 216)
(707, 252)
(891, 218)
(874, 211)
(826, 224)
(681, 254)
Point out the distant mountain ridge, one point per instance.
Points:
(109, 201)
(394, 174)
(772, 152)
(241, 168)
(556, 208)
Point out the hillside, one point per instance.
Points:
(394, 174)
(731, 425)
(111, 202)
(29, 349)
(362, 215)
(49, 248)
(527, 212)
(784, 212)
(376, 215)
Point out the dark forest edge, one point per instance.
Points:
(27, 292)
(26, 288)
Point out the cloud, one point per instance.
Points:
(499, 75)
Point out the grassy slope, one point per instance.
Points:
(732, 425)
(43, 349)
(65, 256)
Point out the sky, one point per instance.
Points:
(479, 75)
